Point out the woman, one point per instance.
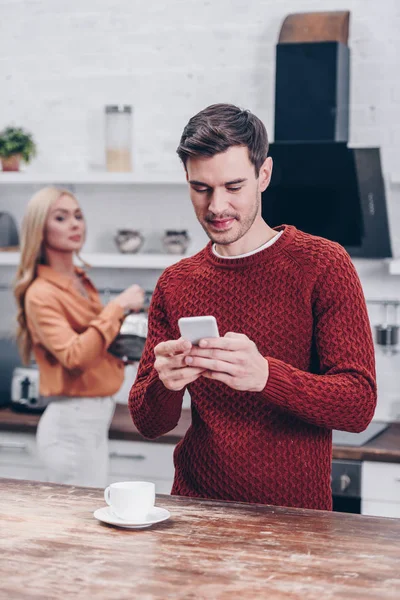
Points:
(62, 321)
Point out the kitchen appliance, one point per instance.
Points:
(9, 238)
(9, 360)
(346, 486)
(330, 190)
(387, 358)
(25, 396)
(130, 341)
(346, 474)
(387, 334)
(301, 107)
(318, 183)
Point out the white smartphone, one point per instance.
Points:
(195, 329)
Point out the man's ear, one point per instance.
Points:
(265, 174)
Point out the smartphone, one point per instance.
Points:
(195, 329)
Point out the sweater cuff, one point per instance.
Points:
(108, 323)
(279, 385)
(162, 395)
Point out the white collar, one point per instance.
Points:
(266, 245)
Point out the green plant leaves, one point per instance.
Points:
(15, 140)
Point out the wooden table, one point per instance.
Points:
(52, 547)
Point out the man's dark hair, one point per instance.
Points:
(220, 126)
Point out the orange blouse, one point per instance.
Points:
(70, 336)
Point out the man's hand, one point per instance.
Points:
(233, 359)
(170, 364)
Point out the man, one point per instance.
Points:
(295, 358)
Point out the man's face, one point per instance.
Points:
(226, 194)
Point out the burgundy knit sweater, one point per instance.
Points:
(301, 302)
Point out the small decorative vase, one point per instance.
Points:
(11, 163)
(176, 242)
(128, 241)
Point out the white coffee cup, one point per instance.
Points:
(131, 500)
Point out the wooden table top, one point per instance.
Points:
(384, 448)
(52, 547)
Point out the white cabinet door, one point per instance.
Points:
(18, 457)
(380, 489)
(381, 481)
(146, 461)
(380, 509)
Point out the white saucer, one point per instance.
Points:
(156, 515)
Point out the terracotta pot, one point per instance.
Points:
(11, 163)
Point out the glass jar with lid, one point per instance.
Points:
(118, 137)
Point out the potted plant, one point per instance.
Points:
(15, 145)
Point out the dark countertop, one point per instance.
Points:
(122, 427)
(384, 448)
(54, 548)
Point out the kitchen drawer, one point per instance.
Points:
(380, 509)
(23, 472)
(141, 459)
(380, 481)
(18, 449)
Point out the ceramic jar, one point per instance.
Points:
(128, 241)
(176, 241)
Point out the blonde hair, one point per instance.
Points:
(32, 254)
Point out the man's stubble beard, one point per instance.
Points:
(234, 237)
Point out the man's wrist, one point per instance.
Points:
(264, 379)
(266, 372)
(267, 366)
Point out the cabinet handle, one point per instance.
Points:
(14, 446)
(130, 456)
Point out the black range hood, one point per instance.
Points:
(318, 183)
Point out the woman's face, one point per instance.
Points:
(65, 226)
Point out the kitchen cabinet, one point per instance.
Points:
(128, 460)
(380, 489)
(380, 509)
(18, 457)
(142, 461)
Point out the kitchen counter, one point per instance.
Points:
(385, 447)
(122, 427)
(54, 548)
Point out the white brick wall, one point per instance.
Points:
(61, 62)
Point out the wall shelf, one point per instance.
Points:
(92, 178)
(112, 260)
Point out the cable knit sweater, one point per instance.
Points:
(301, 302)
